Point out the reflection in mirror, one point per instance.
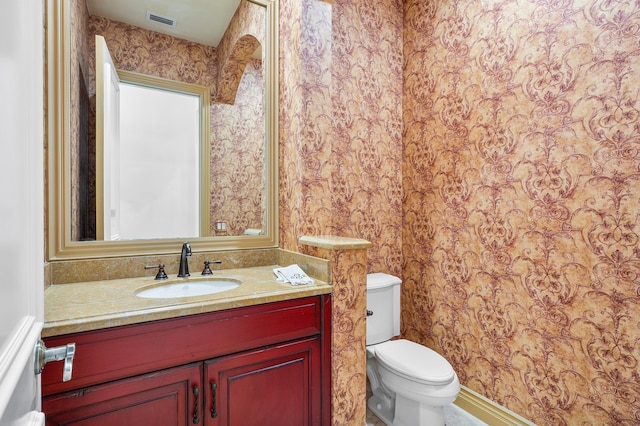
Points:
(158, 189)
(240, 74)
(169, 171)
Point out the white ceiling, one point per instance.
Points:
(202, 21)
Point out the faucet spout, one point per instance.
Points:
(184, 264)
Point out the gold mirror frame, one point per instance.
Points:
(59, 245)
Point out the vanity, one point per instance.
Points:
(257, 354)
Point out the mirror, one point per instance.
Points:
(242, 199)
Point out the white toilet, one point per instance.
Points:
(411, 383)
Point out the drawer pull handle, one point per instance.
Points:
(214, 412)
(196, 405)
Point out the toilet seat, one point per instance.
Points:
(415, 362)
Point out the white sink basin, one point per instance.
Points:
(188, 287)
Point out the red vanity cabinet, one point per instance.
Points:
(263, 364)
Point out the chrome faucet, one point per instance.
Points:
(183, 272)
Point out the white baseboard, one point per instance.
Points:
(35, 418)
(487, 410)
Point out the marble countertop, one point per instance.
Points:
(72, 308)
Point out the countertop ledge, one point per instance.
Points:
(73, 308)
(334, 242)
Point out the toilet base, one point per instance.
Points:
(405, 412)
(412, 413)
(383, 407)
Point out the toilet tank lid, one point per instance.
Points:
(380, 280)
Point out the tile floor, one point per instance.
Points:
(454, 416)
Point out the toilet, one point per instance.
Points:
(411, 383)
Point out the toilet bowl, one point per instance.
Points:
(411, 383)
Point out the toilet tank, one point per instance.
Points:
(383, 307)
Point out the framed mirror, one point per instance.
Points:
(234, 67)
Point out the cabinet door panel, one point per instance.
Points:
(162, 398)
(278, 385)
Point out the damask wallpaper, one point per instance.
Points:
(237, 156)
(244, 35)
(521, 201)
(341, 158)
(83, 190)
(489, 151)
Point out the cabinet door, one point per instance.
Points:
(278, 385)
(168, 397)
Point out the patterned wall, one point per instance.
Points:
(522, 201)
(79, 133)
(520, 253)
(237, 156)
(348, 351)
(340, 165)
(244, 35)
(305, 122)
(152, 53)
(340, 160)
(367, 115)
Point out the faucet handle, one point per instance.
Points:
(161, 275)
(207, 269)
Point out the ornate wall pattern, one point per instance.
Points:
(348, 359)
(78, 131)
(340, 160)
(243, 36)
(148, 52)
(305, 120)
(366, 185)
(237, 156)
(521, 172)
(519, 241)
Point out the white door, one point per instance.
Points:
(21, 208)
(107, 144)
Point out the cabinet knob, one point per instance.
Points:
(44, 355)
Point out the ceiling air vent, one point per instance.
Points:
(161, 19)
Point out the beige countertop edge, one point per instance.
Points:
(124, 308)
